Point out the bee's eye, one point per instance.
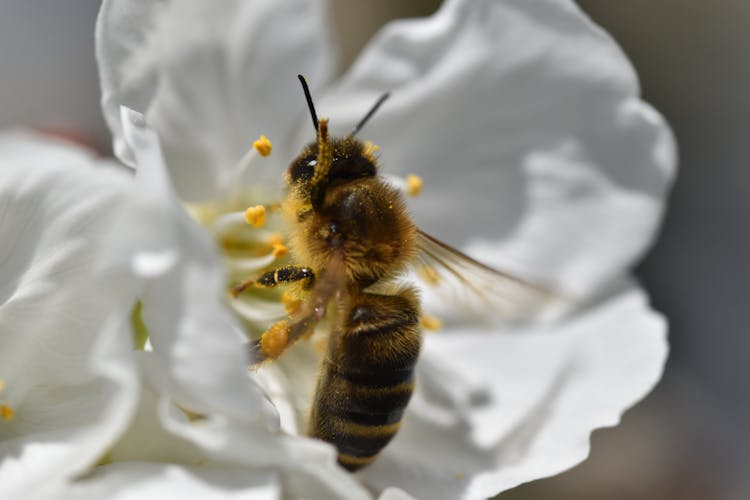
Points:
(352, 167)
(303, 168)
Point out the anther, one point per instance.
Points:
(431, 323)
(6, 412)
(256, 216)
(413, 184)
(263, 146)
(279, 250)
(275, 239)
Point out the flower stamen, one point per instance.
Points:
(275, 239)
(414, 185)
(431, 323)
(6, 412)
(279, 250)
(256, 216)
(263, 146)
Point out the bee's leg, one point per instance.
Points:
(281, 275)
(279, 336)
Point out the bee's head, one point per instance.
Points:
(351, 160)
(328, 161)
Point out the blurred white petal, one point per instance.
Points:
(210, 77)
(492, 411)
(538, 157)
(148, 480)
(66, 370)
(524, 120)
(191, 331)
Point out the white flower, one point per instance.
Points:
(67, 381)
(86, 242)
(539, 157)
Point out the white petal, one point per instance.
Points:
(162, 432)
(192, 332)
(492, 411)
(67, 370)
(307, 467)
(210, 77)
(145, 439)
(148, 480)
(524, 120)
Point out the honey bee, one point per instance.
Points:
(352, 232)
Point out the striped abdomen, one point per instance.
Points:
(368, 376)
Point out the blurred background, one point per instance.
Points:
(688, 440)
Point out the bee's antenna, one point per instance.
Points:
(369, 114)
(310, 104)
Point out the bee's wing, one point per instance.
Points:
(466, 283)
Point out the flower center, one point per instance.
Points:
(250, 241)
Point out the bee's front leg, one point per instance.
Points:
(279, 276)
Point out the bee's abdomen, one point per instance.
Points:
(368, 377)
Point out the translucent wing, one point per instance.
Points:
(471, 287)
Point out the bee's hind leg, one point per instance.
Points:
(282, 334)
(279, 336)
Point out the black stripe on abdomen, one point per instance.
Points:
(367, 378)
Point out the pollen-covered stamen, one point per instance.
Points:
(431, 323)
(275, 239)
(6, 412)
(256, 216)
(413, 185)
(279, 250)
(261, 146)
(410, 185)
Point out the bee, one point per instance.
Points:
(353, 233)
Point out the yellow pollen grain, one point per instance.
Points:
(256, 216)
(263, 146)
(413, 184)
(6, 412)
(2, 385)
(275, 239)
(431, 323)
(370, 148)
(279, 250)
(459, 475)
(274, 340)
(291, 303)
